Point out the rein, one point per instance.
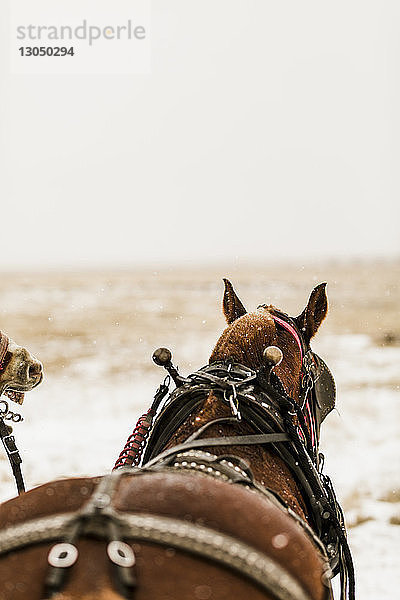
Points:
(9, 444)
(6, 436)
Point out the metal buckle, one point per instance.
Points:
(12, 440)
(233, 402)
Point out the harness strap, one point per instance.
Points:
(13, 455)
(331, 512)
(99, 518)
(237, 440)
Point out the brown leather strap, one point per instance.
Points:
(238, 440)
(13, 455)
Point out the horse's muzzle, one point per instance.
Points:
(22, 373)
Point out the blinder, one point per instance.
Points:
(321, 380)
(323, 384)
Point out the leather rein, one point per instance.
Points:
(8, 440)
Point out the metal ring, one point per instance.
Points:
(121, 554)
(5, 410)
(62, 555)
(101, 500)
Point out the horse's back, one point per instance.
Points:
(161, 570)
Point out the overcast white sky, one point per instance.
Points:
(265, 130)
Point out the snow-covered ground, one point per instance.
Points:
(95, 335)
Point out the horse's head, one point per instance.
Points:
(20, 372)
(249, 334)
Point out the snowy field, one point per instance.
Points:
(95, 333)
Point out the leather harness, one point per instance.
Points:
(260, 399)
(269, 411)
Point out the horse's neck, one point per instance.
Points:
(268, 468)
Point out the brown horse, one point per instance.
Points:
(220, 508)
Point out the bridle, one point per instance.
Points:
(316, 377)
(307, 381)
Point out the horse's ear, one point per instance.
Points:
(314, 313)
(233, 308)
